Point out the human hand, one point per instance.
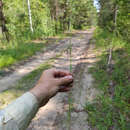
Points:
(51, 82)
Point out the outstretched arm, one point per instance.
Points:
(18, 114)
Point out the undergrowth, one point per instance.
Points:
(111, 109)
(12, 53)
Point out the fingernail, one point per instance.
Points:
(69, 77)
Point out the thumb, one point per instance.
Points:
(65, 80)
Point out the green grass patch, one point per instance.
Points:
(105, 40)
(23, 85)
(111, 110)
(14, 53)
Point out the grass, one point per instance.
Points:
(111, 109)
(14, 53)
(23, 85)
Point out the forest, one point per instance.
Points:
(20, 24)
(29, 27)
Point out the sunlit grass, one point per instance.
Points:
(12, 54)
(105, 40)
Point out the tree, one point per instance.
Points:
(49, 17)
(30, 15)
(3, 22)
(84, 13)
(115, 14)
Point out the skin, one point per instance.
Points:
(51, 82)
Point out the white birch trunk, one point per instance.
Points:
(30, 15)
(110, 56)
(116, 15)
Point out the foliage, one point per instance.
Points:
(123, 19)
(111, 109)
(48, 17)
(83, 14)
(105, 39)
(18, 21)
(114, 14)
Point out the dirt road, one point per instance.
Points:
(56, 115)
(64, 111)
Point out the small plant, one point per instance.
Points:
(70, 98)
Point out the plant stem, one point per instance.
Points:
(70, 100)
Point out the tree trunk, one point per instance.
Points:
(3, 22)
(65, 15)
(56, 16)
(53, 4)
(30, 16)
(115, 15)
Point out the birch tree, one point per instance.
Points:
(30, 15)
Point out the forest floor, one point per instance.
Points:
(64, 111)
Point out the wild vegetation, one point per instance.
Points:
(112, 72)
(22, 22)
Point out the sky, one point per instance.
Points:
(96, 4)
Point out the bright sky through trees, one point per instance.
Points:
(96, 5)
